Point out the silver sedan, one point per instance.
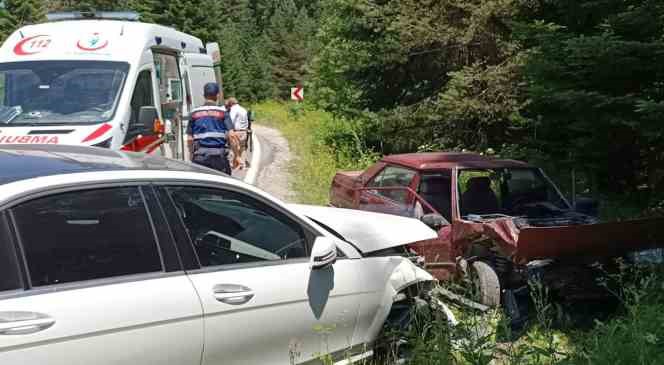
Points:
(114, 258)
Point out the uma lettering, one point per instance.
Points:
(29, 139)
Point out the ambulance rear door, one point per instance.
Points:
(171, 100)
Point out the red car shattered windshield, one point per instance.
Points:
(509, 191)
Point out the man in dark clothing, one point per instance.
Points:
(207, 132)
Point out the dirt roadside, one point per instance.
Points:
(275, 160)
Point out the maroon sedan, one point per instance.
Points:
(503, 219)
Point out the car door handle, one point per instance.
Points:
(232, 294)
(23, 323)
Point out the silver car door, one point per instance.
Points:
(95, 288)
(262, 303)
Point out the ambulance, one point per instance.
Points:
(102, 79)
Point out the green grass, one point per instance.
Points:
(315, 163)
(632, 335)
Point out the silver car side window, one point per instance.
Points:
(227, 227)
(86, 235)
(9, 271)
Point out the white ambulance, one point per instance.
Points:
(102, 79)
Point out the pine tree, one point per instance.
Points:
(239, 12)
(245, 57)
(289, 30)
(260, 69)
(5, 28)
(262, 11)
(151, 11)
(595, 83)
(18, 13)
(237, 79)
(88, 5)
(197, 17)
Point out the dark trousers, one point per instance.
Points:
(217, 162)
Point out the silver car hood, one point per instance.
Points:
(368, 231)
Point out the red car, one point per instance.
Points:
(502, 218)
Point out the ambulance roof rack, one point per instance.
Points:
(83, 15)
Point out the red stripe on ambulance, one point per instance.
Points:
(98, 133)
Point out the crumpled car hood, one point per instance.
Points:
(573, 242)
(368, 231)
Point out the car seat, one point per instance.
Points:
(479, 198)
(435, 190)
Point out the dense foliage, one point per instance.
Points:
(569, 85)
(15, 13)
(595, 85)
(565, 84)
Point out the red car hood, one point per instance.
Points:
(575, 242)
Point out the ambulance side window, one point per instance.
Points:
(170, 85)
(142, 97)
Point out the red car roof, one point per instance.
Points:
(449, 160)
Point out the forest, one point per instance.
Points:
(576, 87)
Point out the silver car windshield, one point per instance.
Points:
(60, 92)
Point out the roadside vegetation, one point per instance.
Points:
(317, 155)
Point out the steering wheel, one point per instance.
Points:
(199, 241)
(288, 246)
(519, 203)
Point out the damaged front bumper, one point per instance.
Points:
(573, 243)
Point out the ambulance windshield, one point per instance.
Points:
(59, 92)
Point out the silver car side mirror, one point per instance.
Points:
(323, 254)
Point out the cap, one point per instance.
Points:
(211, 89)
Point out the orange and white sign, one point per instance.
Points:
(297, 93)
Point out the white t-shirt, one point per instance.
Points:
(239, 117)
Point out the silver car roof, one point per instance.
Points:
(22, 162)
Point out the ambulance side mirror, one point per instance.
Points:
(147, 117)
